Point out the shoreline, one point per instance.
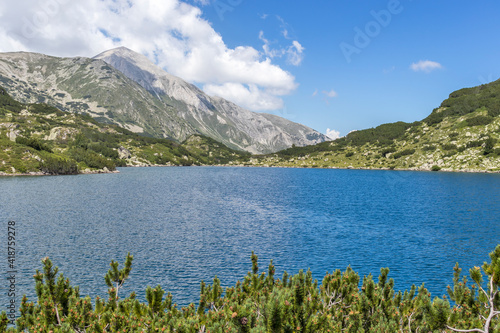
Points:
(41, 174)
(358, 168)
(93, 172)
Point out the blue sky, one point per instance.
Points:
(377, 85)
(339, 65)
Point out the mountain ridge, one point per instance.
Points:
(96, 87)
(38, 139)
(204, 109)
(462, 134)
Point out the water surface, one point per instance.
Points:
(184, 225)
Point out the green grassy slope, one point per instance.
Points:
(40, 139)
(463, 134)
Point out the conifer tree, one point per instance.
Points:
(116, 278)
(4, 321)
(476, 313)
(260, 304)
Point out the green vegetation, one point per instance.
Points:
(402, 153)
(7, 103)
(41, 139)
(210, 151)
(382, 135)
(463, 134)
(262, 302)
(465, 101)
(33, 143)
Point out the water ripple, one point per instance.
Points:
(184, 225)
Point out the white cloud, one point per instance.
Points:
(332, 134)
(9, 43)
(426, 66)
(251, 96)
(330, 94)
(202, 2)
(171, 32)
(284, 28)
(294, 53)
(268, 51)
(327, 95)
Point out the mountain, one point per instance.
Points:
(82, 85)
(142, 98)
(41, 139)
(462, 134)
(212, 116)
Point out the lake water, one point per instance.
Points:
(184, 225)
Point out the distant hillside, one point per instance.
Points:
(40, 139)
(461, 135)
(125, 88)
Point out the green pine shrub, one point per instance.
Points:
(33, 143)
(54, 165)
(449, 146)
(402, 153)
(263, 302)
(92, 159)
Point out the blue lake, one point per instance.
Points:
(184, 225)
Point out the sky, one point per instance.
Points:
(333, 65)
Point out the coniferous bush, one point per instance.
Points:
(489, 145)
(262, 302)
(33, 143)
(402, 153)
(92, 159)
(480, 120)
(53, 165)
(8, 103)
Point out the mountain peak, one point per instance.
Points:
(118, 50)
(211, 116)
(145, 98)
(125, 54)
(140, 68)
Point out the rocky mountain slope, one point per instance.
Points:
(41, 139)
(143, 98)
(463, 134)
(212, 116)
(82, 85)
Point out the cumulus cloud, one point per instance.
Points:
(255, 98)
(172, 33)
(332, 134)
(426, 66)
(10, 43)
